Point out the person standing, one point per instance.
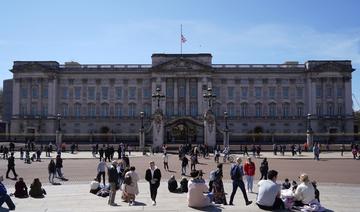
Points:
(11, 166)
(237, 174)
(342, 148)
(132, 188)
(101, 153)
(113, 181)
(268, 197)
(166, 161)
(101, 171)
(153, 176)
(184, 164)
(249, 168)
(59, 165)
(316, 151)
(52, 171)
(4, 197)
(264, 168)
(246, 150)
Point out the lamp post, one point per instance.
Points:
(58, 117)
(142, 119)
(209, 97)
(158, 96)
(226, 130)
(309, 133)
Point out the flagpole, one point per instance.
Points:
(181, 40)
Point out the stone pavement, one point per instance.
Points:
(76, 197)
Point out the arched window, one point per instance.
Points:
(244, 109)
(193, 109)
(91, 110)
(272, 109)
(286, 109)
(77, 110)
(104, 110)
(147, 110)
(118, 110)
(231, 109)
(132, 109)
(300, 109)
(258, 109)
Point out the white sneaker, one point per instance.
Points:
(153, 203)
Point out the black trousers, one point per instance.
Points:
(12, 168)
(99, 177)
(153, 191)
(263, 176)
(241, 185)
(278, 204)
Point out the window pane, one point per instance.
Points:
(104, 92)
(132, 92)
(91, 93)
(77, 92)
(119, 92)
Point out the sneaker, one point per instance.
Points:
(113, 204)
(153, 203)
(248, 202)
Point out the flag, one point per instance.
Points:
(183, 39)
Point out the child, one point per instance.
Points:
(286, 184)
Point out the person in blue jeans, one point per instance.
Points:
(4, 197)
(237, 174)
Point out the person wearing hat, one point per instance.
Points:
(305, 192)
(113, 181)
(237, 174)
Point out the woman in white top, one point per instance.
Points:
(131, 189)
(305, 192)
(197, 187)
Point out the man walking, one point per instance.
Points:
(153, 176)
(11, 166)
(249, 169)
(237, 174)
(101, 171)
(4, 197)
(113, 181)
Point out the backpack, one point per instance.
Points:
(235, 173)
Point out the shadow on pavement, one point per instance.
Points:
(215, 208)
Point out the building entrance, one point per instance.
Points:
(184, 130)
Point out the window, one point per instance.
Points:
(340, 109)
(318, 91)
(64, 93)
(217, 109)
(44, 111)
(285, 92)
(244, 92)
(23, 92)
(77, 92)
(231, 93)
(146, 93)
(272, 109)
(243, 109)
(77, 110)
(272, 92)
(64, 110)
(118, 110)
(319, 109)
(216, 91)
(132, 92)
(258, 92)
(193, 109)
(258, 110)
(169, 90)
(286, 110)
(300, 110)
(181, 91)
(169, 109)
(104, 110)
(91, 110)
(299, 92)
(119, 92)
(339, 92)
(34, 109)
(35, 92)
(181, 109)
(193, 91)
(104, 92)
(329, 91)
(132, 110)
(147, 110)
(23, 109)
(91, 93)
(330, 109)
(45, 92)
(231, 110)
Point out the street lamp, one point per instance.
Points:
(210, 97)
(309, 130)
(58, 117)
(142, 119)
(158, 96)
(226, 120)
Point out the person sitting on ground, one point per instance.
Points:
(95, 186)
(184, 185)
(172, 184)
(317, 192)
(130, 186)
(21, 190)
(219, 192)
(269, 193)
(36, 190)
(286, 184)
(197, 187)
(305, 192)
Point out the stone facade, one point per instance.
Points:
(261, 98)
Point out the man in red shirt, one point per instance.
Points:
(249, 168)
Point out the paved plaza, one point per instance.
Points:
(337, 178)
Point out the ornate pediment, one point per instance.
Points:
(182, 64)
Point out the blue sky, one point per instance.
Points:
(233, 31)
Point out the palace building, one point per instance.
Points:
(268, 99)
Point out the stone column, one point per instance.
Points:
(141, 139)
(58, 139)
(187, 96)
(309, 139)
(153, 89)
(226, 137)
(348, 97)
(176, 103)
(16, 98)
(209, 129)
(200, 99)
(163, 91)
(158, 129)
